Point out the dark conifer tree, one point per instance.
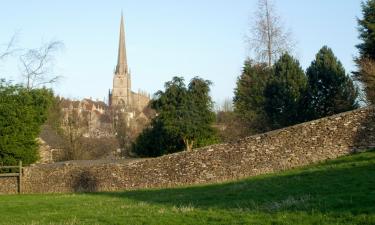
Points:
(249, 96)
(22, 113)
(367, 30)
(284, 93)
(330, 89)
(184, 120)
(366, 60)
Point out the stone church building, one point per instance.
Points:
(121, 95)
(98, 117)
(96, 120)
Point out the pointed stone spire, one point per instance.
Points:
(122, 63)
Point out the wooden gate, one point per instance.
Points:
(13, 174)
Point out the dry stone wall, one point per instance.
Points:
(277, 150)
(8, 185)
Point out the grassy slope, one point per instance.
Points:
(341, 191)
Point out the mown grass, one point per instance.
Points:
(340, 191)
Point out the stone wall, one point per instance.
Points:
(8, 185)
(277, 150)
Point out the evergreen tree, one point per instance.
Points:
(249, 96)
(330, 90)
(201, 115)
(22, 113)
(367, 30)
(155, 141)
(366, 60)
(184, 119)
(284, 93)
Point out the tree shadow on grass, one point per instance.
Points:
(85, 182)
(345, 185)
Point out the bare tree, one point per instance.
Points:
(37, 64)
(9, 48)
(268, 39)
(73, 130)
(224, 106)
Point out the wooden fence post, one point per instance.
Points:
(20, 178)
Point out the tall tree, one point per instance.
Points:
(155, 140)
(268, 38)
(367, 30)
(184, 115)
(186, 112)
(249, 96)
(201, 105)
(366, 60)
(22, 113)
(284, 93)
(330, 90)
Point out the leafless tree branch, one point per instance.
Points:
(268, 38)
(37, 65)
(9, 48)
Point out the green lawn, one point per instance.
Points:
(341, 191)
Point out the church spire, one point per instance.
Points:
(122, 64)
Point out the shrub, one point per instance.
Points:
(22, 113)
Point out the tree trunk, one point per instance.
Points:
(269, 35)
(188, 144)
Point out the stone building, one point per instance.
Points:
(122, 119)
(121, 100)
(121, 95)
(92, 117)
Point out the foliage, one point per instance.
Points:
(208, 138)
(156, 140)
(366, 75)
(183, 114)
(249, 96)
(330, 90)
(230, 127)
(334, 192)
(367, 30)
(270, 98)
(366, 60)
(22, 113)
(284, 93)
(186, 112)
(55, 114)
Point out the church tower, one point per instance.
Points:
(121, 92)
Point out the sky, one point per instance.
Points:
(166, 38)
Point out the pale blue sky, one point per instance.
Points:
(167, 38)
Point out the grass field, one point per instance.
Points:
(340, 191)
